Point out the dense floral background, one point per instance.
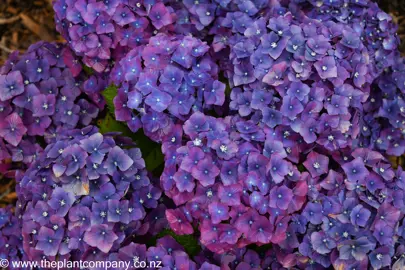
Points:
(209, 134)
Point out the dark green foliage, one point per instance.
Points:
(109, 93)
(189, 242)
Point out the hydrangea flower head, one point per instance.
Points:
(164, 81)
(35, 105)
(86, 189)
(277, 121)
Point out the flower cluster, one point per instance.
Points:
(243, 183)
(277, 121)
(102, 30)
(203, 18)
(85, 192)
(384, 112)
(11, 247)
(312, 73)
(168, 78)
(41, 95)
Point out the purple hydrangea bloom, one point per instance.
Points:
(280, 197)
(100, 30)
(178, 222)
(277, 122)
(12, 129)
(100, 236)
(117, 159)
(39, 92)
(161, 87)
(48, 241)
(359, 216)
(90, 209)
(312, 51)
(355, 170)
(43, 105)
(61, 201)
(277, 168)
(11, 85)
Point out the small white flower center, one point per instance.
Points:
(223, 148)
(197, 142)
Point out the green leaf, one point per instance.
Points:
(109, 93)
(223, 79)
(228, 90)
(154, 159)
(109, 124)
(261, 250)
(189, 241)
(301, 167)
(89, 71)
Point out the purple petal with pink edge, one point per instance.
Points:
(178, 222)
(12, 129)
(100, 236)
(160, 15)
